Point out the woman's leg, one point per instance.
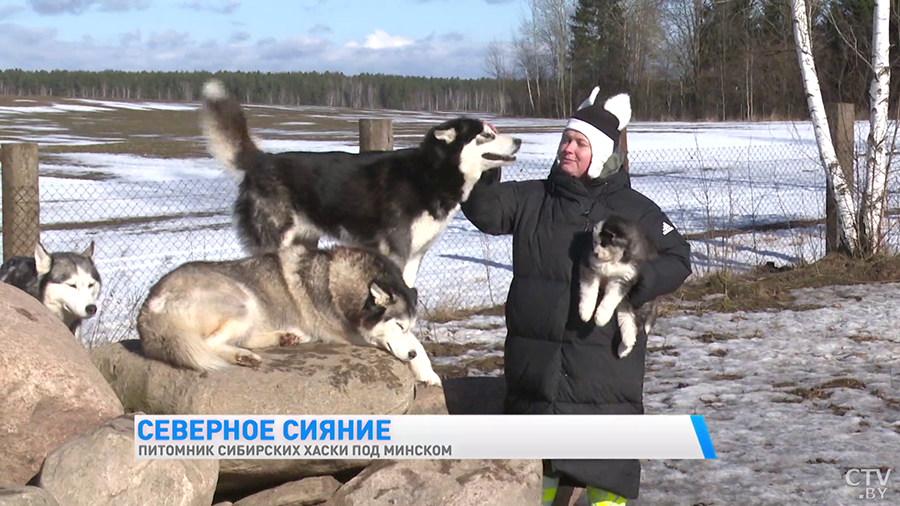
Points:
(600, 497)
(549, 485)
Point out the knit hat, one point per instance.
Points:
(601, 125)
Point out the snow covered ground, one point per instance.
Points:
(792, 399)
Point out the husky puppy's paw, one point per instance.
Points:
(585, 311)
(603, 315)
(247, 358)
(625, 349)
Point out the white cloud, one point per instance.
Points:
(380, 39)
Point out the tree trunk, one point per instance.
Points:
(846, 207)
(877, 156)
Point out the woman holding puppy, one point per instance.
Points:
(554, 362)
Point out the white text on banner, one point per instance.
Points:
(422, 437)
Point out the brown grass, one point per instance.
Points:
(766, 288)
(444, 313)
(177, 134)
(461, 369)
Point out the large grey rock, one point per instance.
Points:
(305, 492)
(49, 389)
(306, 379)
(26, 496)
(310, 379)
(443, 483)
(100, 469)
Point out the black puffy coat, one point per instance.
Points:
(554, 362)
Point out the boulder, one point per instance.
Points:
(26, 496)
(49, 389)
(309, 379)
(443, 482)
(100, 469)
(305, 492)
(428, 400)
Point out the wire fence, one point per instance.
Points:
(739, 208)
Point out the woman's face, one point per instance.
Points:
(574, 153)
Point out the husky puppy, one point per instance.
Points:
(619, 249)
(395, 202)
(207, 315)
(67, 283)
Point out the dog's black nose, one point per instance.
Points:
(412, 354)
(91, 309)
(517, 142)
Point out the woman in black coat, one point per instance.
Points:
(554, 362)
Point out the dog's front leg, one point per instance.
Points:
(411, 269)
(589, 290)
(627, 327)
(277, 338)
(421, 366)
(615, 292)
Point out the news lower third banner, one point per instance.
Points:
(422, 437)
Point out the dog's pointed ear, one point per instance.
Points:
(380, 296)
(448, 135)
(89, 251)
(42, 259)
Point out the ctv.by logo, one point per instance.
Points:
(873, 481)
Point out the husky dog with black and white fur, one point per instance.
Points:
(618, 251)
(66, 282)
(395, 202)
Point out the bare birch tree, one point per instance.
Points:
(683, 47)
(495, 65)
(551, 20)
(870, 212)
(877, 152)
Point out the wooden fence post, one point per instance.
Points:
(376, 135)
(21, 199)
(841, 118)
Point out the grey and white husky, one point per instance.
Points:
(207, 315)
(619, 249)
(66, 282)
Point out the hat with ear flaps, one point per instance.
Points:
(601, 124)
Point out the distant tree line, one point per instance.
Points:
(679, 59)
(283, 88)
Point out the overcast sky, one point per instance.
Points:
(440, 38)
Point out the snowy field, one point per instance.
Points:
(793, 399)
(149, 214)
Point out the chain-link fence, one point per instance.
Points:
(739, 207)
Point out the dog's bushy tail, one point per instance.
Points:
(225, 127)
(173, 344)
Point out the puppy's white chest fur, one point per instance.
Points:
(616, 270)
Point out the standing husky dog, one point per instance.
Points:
(619, 250)
(204, 315)
(396, 202)
(66, 282)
